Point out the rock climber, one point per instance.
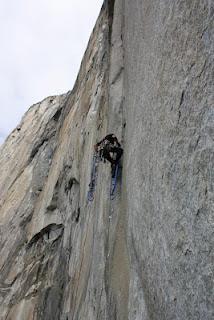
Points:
(110, 149)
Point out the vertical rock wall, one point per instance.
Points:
(147, 76)
(169, 157)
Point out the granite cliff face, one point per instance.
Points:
(147, 76)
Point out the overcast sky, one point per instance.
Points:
(42, 44)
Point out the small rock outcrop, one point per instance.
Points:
(147, 76)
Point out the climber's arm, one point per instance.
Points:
(100, 142)
(117, 142)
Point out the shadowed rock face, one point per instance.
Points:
(147, 76)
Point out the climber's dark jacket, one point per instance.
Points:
(110, 145)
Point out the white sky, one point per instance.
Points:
(42, 45)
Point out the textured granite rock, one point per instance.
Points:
(169, 164)
(147, 76)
